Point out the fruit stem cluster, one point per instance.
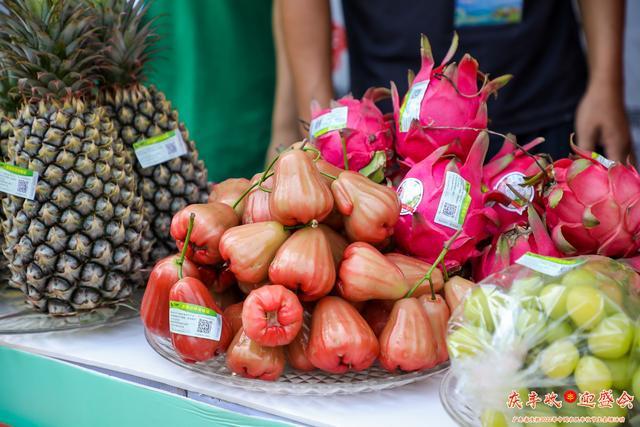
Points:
(438, 260)
(185, 246)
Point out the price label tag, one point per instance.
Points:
(410, 194)
(335, 119)
(410, 110)
(548, 265)
(454, 202)
(515, 180)
(160, 148)
(602, 160)
(18, 181)
(194, 320)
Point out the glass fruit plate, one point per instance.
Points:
(453, 400)
(17, 317)
(295, 382)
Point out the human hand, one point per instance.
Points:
(601, 120)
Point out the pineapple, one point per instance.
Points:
(141, 112)
(78, 245)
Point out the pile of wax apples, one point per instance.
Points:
(288, 267)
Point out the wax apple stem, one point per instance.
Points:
(438, 260)
(185, 246)
(344, 152)
(313, 224)
(445, 273)
(328, 175)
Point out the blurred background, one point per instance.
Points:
(218, 66)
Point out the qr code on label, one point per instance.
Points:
(204, 326)
(23, 185)
(449, 209)
(171, 148)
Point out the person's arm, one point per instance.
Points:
(284, 119)
(306, 29)
(601, 118)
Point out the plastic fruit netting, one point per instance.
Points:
(564, 344)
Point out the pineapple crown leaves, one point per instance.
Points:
(49, 48)
(127, 38)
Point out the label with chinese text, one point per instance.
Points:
(548, 265)
(410, 110)
(335, 119)
(194, 320)
(454, 202)
(160, 148)
(18, 181)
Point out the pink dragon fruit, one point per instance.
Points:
(359, 126)
(594, 206)
(446, 96)
(440, 195)
(511, 166)
(530, 235)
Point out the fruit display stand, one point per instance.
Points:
(69, 392)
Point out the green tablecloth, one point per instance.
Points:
(216, 65)
(39, 392)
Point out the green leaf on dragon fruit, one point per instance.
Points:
(375, 169)
(588, 219)
(555, 197)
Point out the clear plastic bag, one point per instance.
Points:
(554, 339)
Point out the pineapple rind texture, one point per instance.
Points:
(79, 244)
(140, 113)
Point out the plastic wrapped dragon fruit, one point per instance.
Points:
(440, 102)
(354, 134)
(547, 339)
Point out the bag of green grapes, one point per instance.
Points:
(547, 342)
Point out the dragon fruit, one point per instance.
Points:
(359, 126)
(446, 96)
(526, 236)
(594, 206)
(511, 166)
(440, 195)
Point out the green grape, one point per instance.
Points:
(612, 337)
(467, 341)
(530, 324)
(557, 331)
(613, 297)
(620, 372)
(559, 359)
(554, 300)
(614, 411)
(579, 277)
(493, 418)
(635, 383)
(526, 287)
(592, 375)
(482, 306)
(585, 306)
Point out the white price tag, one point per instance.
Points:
(454, 202)
(194, 321)
(18, 181)
(410, 110)
(335, 119)
(548, 265)
(515, 180)
(410, 195)
(160, 148)
(602, 160)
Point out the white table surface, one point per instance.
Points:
(124, 349)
